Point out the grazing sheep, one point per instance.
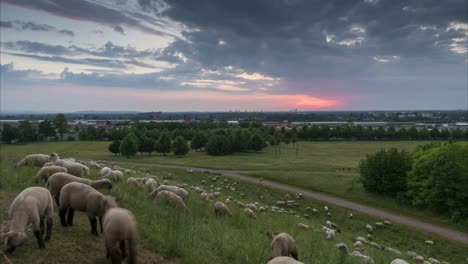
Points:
(37, 160)
(132, 180)
(120, 229)
(104, 171)
(84, 198)
(350, 216)
(315, 211)
(57, 181)
(411, 254)
(344, 248)
(330, 233)
(45, 172)
(358, 245)
(433, 261)
(151, 185)
(113, 175)
(303, 226)
(181, 192)
(387, 223)
(282, 245)
(379, 225)
(249, 213)
(221, 209)
(34, 206)
(375, 245)
(363, 240)
(398, 261)
(171, 198)
(369, 236)
(284, 260)
(47, 164)
(326, 208)
(369, 228)
(74, 168)
(429, 242)
(251, 206)
(392, 251)
(330, 224)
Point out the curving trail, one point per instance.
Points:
(394, 217)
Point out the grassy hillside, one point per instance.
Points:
(197, 236)
(315, 166)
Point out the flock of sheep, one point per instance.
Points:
(67, 186)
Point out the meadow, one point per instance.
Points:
(316, 166)
(168, 235)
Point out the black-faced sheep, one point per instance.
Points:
(221, 209)
(34, 206)
(45, 172)
(170, 198)
(58, 180)
(282, 245)
(181, 192)
(81, 197)
(74, 168)
(37, 160)
(120, 231)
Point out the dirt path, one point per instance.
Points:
(405, 220)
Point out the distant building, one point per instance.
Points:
(233, 122)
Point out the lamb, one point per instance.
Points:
(171, 198)
(282, 245)
(113, 175)
(221, 209)
(249, 213)
(344, 248)
(181, 192)
(284, 260)
(303, 226)
(34, 206)
(151, 185)
(74, 168)
(45, 172)
(57, 181)
(37, 160)
(82, 197)
(120, 229)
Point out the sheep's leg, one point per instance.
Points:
(49, 229)
(62, 213)
(57, 199)
(123, 250)
(40, 242)
(295, 255)
(100, 224)
(71, 212)
(42, 226)
(93, 222)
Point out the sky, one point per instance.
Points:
(216, 55)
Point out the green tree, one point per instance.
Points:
(198, 141)
(129, 146)
(164, 143)
(240, 141)
(147, 145)
(60, 123)
(9, 133)
(257, 142)
(26, 132)
(180, 147)
(438, 179)
(46, 129)
(385, 171)
(218, 145)
(114, 147)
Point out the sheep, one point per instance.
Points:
(249, 213)
(104, 171)
(358, 245)
(58, 180)
(120, 229)
(387, 223)
(326, 208)
(350, 216)
(330, 224)
(37, 160)
(411, 254)
(392, 251)
(151, 185)
(330, 233)
(363, 240)
(315, 211)
(251, 206)
(344, 248)
(284, 260)
(369, 237)
(47, 164)
(82, 197)
(74, 168)
(398, 261)
(429, 242)
(45, 172)
(282, 245)
(181, 192)
(113, 175)
(221, 209)
(171, 198)
(303, 226)
(34, 206)
(379, 225)
(433, 261)
(375, 245)
(369, 228)
(132, 180)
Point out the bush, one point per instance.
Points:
(180, 147)
(114, 147)
(438, 180)
(129, 146)
(385, 171)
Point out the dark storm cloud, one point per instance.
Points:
(86, 11)
(29, 25)
(67, 32)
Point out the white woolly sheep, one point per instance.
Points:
(369, 228)
(350, 216)
(45, 172)
(58, 180)
(221, 209)
(363, 240)
(282, 245)
(34, 206)
(433, 261)
(74, 168)
(398, 261)
(47, 164)
(387, 223)
(84, 198)
(104, 171)
(358, 245)
(329, 233)
(315, 211)
(429, 242)
(373, 244)
(344, 248)
(170, 198)
(303, 226)
(113, 175)
(326, 208)
(251, 206)
(37, 160)
(392, 251)
(181, 192)
(330, 224)
(379, 225)
(151, 185)
(249, 213)
(120, 229)
(284, 260)
(132, 180)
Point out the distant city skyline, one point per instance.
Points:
(67, 56)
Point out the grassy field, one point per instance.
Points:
(312, 165)
(168, 235)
